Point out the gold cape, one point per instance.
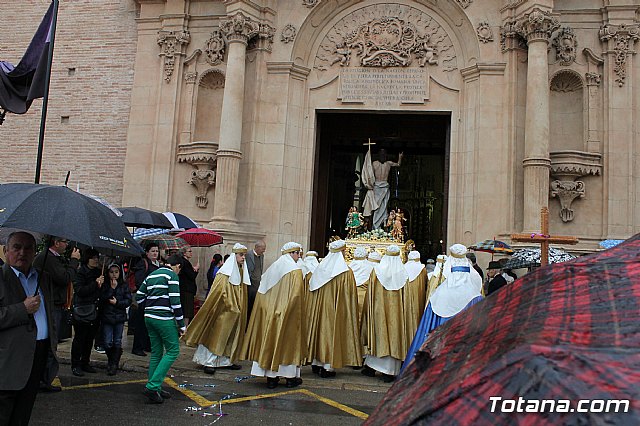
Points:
(362, 294)
(383, 328)
(333, 332)
(414, 298)
(221, 321)
(434, 282)
(277, 330)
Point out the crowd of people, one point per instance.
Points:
(371, 313)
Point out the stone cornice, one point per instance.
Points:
(295, 71)
(575, 163)
(483, 69)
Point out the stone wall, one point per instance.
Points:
(89, 102)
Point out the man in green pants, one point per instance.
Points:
(160, 293)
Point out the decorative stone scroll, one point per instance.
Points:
(386, 35)
(288, 33)
(566, 45)
(485, 34)
(566, 192)
(203, 156)
(464, 3)
(171, 44)
(623, 37)
(537, 25)
(215, 48)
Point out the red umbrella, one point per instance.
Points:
(201, 237)
(568, 333)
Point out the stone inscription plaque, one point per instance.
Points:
(383, 87)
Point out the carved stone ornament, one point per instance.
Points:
(623, 37)
(566, 192)
(593, 78)
(215, 48)
(464, 3)
(310, 3)
(265, 36)
(537, 25)
(566, 81)
(510, 38)
(239, 28)
(566, 45)
(202, 156)
(288, 33)
(386, 36)
(485, 34)
(191, 77)
(171, 44)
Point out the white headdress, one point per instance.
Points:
(230, 267)
(360, 266)
(374, 258)
(279, 268)
(440, 261)
(330, 267)
(462, 284)
(390, 272)
(309, 263)
(413, 266)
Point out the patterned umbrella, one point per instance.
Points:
(201, 237)
(492, 246)
(180, 221)
(165, 241)
(526, 258)
(566, 333)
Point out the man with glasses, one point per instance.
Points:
(62, 273)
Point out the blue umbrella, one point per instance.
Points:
(607, 244)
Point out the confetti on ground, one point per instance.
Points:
(243, 378)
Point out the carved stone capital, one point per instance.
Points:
(288, 33)
(621, 38)
(264, 41)
(566, 192)
(171, 46)
(537, 25)
(593, 78)
(239, 28)
(566, 45)
(510, 39)
(203, 156)
(485, 34)
(215, 48)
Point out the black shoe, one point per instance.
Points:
(387, 378)
(326, 373)
(357, 367)
(315, 369)
(368, 371)
(138, 352)
(77, 371)
(292, 383)
(232, 367)
(153, 396)
(88, 369)
(272, 382)
(49, 388)
(164, 394)
(111, 370)
(210, 370)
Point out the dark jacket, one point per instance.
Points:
(114, 314)
(496, 284)
(142, 269)
(187, 277)
(61, 271)
(85, 287)
(18, 330)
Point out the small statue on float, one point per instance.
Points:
(398, 226)
(355, 222)
(390, 221)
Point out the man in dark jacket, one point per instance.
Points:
(26, 329)
(497, 280)
(255, 265)
(62, 273)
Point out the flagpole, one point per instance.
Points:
(45, 102)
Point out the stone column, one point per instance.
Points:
(536, 27)
(238, 29)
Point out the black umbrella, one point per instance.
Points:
(60, 211)
(138, 217)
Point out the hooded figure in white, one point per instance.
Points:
(460, 290)
(309, 263)
(362, 269)
(218, 328)
(415, 294)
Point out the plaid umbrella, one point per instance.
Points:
(165, 241)
(492, 246)
(526, 258)
(568, 331)
(201, 237)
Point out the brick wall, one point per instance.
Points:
(97, 38)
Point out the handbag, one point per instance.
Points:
(85, 313)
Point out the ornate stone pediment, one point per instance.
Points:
(385, 35)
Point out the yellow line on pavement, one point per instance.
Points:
(103, 384)
(262, 396)
(336, 404)
(198, 399)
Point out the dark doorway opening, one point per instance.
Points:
(419, 187)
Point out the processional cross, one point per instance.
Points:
(369, 144)
(543, 238)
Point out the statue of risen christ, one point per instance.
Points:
(374, 178)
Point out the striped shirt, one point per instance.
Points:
(160, 292)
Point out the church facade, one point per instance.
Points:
(531, 103)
